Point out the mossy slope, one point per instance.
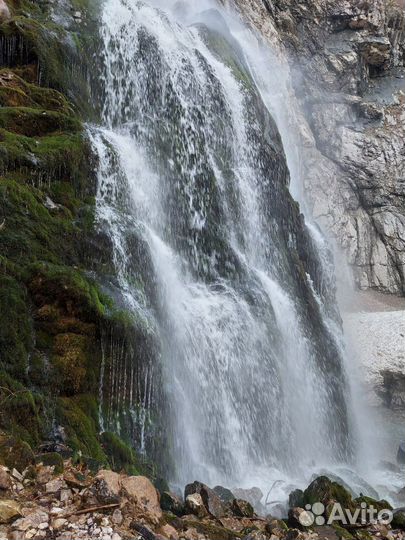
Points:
(53, 313)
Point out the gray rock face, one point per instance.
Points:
(347, 70)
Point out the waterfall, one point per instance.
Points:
(212, 258)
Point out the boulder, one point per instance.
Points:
(323, 490)
(44, 474)
(9, 510)
(5, 480)
(54, 486)
(275, 526)
(224, 494)
(75, 479)
(211, 500)
(401, 453)
(4, 11)
(106, 487)
(169, 532)
(297, 518)
(253, 495)
(141, 490)
(242, 508)
(399, 519)
(15, 453)
(144, 532)
(32, 520)
(195, 505)
(256, 535)
(169, 502)
(296, 498)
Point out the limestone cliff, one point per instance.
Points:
(347, 72)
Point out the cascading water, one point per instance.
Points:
(212, 258)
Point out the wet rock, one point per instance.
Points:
(376, 50)
(224, 494)
(141, 490)
(195, 505)
(169, 502)
(399, 520)
(106, 487)
(253, 495)
(9, 510)
(323, 490)
(211, 500)
(401, 453)
(296, 518)
(242, 508)
(296, 498)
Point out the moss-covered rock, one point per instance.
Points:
(323, 490)
(51, 459)
(15, 453)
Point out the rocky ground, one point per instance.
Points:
(57, 500)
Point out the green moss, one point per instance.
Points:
(44, 160)
(33, 122)
(70, 358)
(379, 505)
(67, 285)
(399, 520)
(17, 92)
(30, 230)
(342, 533)
(21, 410)
(79, 417)
(15, 453)
(322, 489)
(51, 459)
(227, 52)
(15, 328)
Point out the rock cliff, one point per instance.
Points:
(347, 73)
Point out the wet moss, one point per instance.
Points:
(78, 415)
(21, 410)
(15, 329)
(35, 122)
(121, 456)
(17, 92)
